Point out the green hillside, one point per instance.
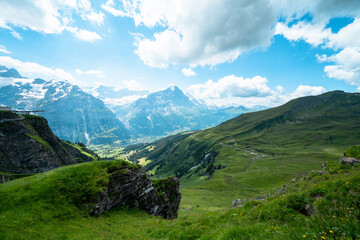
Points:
(257, 152)
(316, 205)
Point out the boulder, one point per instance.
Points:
(349, 160)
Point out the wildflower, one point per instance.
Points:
(304, 236)
(323, 237)
(331, 231)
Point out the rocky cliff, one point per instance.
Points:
(131, 187)
(27, 145)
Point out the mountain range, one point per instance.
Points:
(170, 111)
(73, 114)
(105, 115)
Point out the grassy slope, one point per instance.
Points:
(295, 138)
(81, 149)
(35, 208)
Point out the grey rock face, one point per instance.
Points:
(349, 160)
(29, 146)
(133, 188)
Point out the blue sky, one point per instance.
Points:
(226, 52)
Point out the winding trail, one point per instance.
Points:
(240, 149)
(252, 160)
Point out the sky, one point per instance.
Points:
(225, 52)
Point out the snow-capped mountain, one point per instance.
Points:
(114, 97)
(72, 113)
(170, 111)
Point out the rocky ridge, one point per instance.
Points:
(27, 145)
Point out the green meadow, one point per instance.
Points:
(316, 205)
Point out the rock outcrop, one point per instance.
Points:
(349, 160)
(27, 145)
(131, 187)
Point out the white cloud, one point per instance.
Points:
(85, 35)
(236, 91)
(231, 86)
(321, 11)
(188, 72)
(31, 69)
(133, 85)
(346, 65)
(315, 31)
(310, 33)
(3, 50)
(280, 89)
(111, 8)
(306, 90)
(347, 36)
(48, 16)
(205, 32)
(97, 18)
(317, 34)
(209, 32)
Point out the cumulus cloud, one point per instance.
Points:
(231, 86)
(346, 65)
(31, 69)
(133, 85)
(188, 72)
(209, 32)
(347, 36)
(315, 31)
(236, 91)
(318, 34)
(85, 35)
(48, 16)
(97, 18)
(310, 33)
(205, 32)
(306, 90)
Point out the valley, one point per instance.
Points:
(260, 161)
(256, 153)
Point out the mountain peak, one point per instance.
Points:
(2, 68)
(173, 87)
(39, 81)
